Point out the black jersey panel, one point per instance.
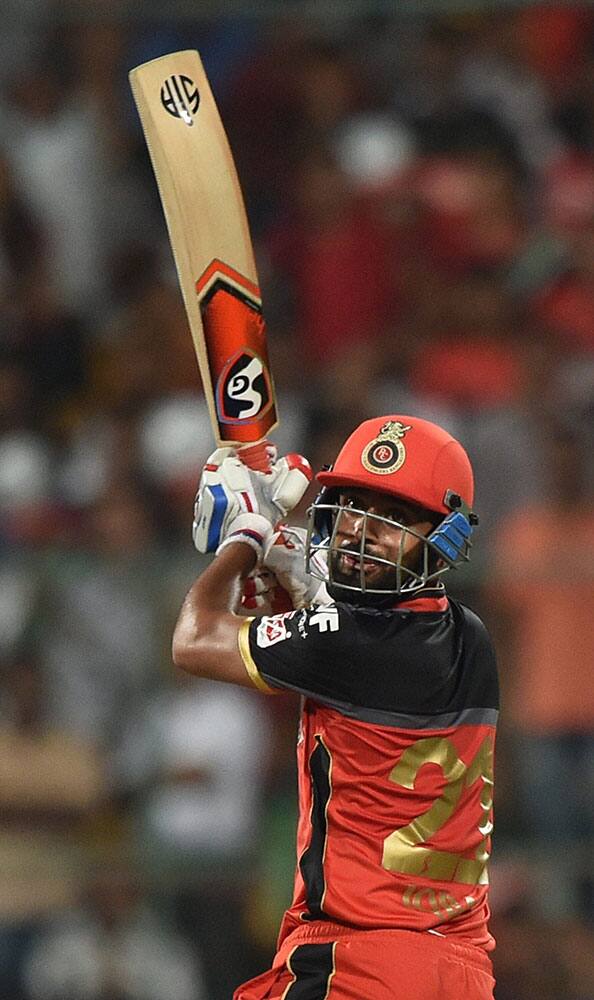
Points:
(405, 662)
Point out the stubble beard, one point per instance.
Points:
(346, 571)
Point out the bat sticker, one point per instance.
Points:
(180, 97)
(235, 340)
(243, 390)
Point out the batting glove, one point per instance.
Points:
(235, 503)
(284, 556)
(262, 592)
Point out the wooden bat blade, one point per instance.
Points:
(210, 238)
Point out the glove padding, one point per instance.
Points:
(284, 566)
(235, 500)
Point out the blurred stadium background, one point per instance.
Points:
(420, 183)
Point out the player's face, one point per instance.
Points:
(384, 539)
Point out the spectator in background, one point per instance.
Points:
(103, 637)
(28, 509)
(552, 40)
(38, 330)
(144, 350)
(141, 411)
(339, 263)
(469, 193)
(52, 144)
(473, 356)
(542, 589)
(50, 782)
(566, 306)
(496, 78)
(193, 765)
(333, 261)
(22, 242)
(112, 946)
(558, 289)
(296, 92)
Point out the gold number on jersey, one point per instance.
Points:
(405, 850)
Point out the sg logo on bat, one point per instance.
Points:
(243, 392)
(237, 352)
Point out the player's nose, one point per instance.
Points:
(357, 524)
(349, 526)
(353, 522)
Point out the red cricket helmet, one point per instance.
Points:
(406, 457)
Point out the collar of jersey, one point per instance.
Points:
(426, 600)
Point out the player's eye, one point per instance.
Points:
(399, 516)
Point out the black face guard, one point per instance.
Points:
(446, 547)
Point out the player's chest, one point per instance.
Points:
(368, 767)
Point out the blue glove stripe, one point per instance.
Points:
(217, 517)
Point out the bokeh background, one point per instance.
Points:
(420, 184)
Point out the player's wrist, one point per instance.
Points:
(254, 530)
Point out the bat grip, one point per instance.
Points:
(258, 456)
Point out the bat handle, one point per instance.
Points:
(281, 602)
(258, 456)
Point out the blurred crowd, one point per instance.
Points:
(421, 195)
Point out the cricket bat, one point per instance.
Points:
(211, 244)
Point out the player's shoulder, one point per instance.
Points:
(441, 616)
(476, 655)
(470, 623)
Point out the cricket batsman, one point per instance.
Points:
(399, 694)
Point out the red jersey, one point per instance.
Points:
(395, 757)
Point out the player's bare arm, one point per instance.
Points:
(205, 640)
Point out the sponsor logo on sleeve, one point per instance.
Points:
(273, 629)
(327, 620)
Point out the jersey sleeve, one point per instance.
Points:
(308, 651)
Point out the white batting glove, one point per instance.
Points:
(284, 556)
(235, 503)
